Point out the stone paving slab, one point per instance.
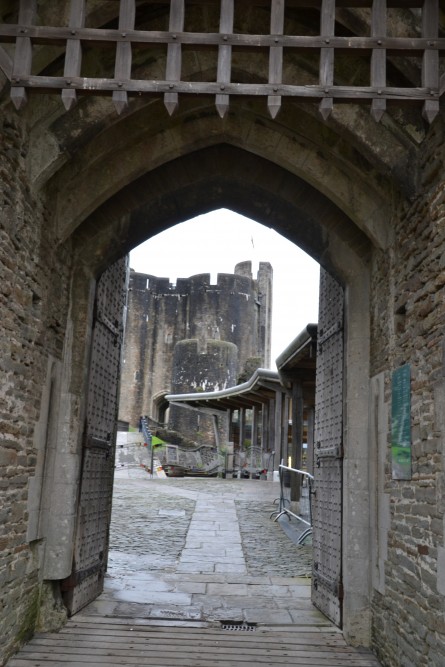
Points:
(204, 550)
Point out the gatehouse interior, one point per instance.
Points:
(343, 156)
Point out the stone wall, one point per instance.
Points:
(407, 318)
(343, 188)
(408, 327)
(34, 284)
(211, 368)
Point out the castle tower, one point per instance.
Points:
(192, 336)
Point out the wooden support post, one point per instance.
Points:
(254, 437)
(278, 428)
(242, 427)
(310, 439)
(229, 414)
(23, 53)
(224, 55)
(122, 68)
(174, 54)
(274, 444)
(327, 30)
(73, 54)
(297, 436)
(285, 429)
(378, 58)
(430, 64)
(265, 440)
(276, 55)
(260, 440)
(216, 432)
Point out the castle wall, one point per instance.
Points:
(156, 319)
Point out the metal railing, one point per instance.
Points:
(292, 480)
(145, 430)
(253, 462)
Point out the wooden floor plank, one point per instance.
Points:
(241, 637)
(82, 644)
(55, 662)
(121, 650)
(187, 661)
(291, 634)
(224, 642)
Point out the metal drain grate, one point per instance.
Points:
(238, 625)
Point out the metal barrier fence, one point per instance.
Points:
(253, 462)
(295, 486)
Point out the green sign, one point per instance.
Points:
(401, 423)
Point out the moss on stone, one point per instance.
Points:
(29, 618)
(52, 611)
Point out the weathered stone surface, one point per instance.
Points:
(33, 310)
(416, 528)
(78, 189)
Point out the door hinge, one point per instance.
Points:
(324, 336)
(91, 442)
(78, 576)
(333, 586)
(334, 452)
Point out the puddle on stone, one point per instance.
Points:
(127, 564)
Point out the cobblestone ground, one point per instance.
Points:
(267, 549)
(148, 527)
(151, 518)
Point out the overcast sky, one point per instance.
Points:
(214, 243)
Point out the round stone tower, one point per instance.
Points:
(201, 367)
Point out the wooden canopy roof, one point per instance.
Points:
(259, 389)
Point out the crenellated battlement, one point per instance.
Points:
(239, 282)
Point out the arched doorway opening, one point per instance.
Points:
(223, 175)
(161, 413)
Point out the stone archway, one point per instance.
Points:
(223, 175)
(83, 187)
(161, 406)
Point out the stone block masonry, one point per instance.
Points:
(34, 290)
(409, 328)
(80, 187)
(201, 368)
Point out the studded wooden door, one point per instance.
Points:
(328, 452)
(96, 485)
